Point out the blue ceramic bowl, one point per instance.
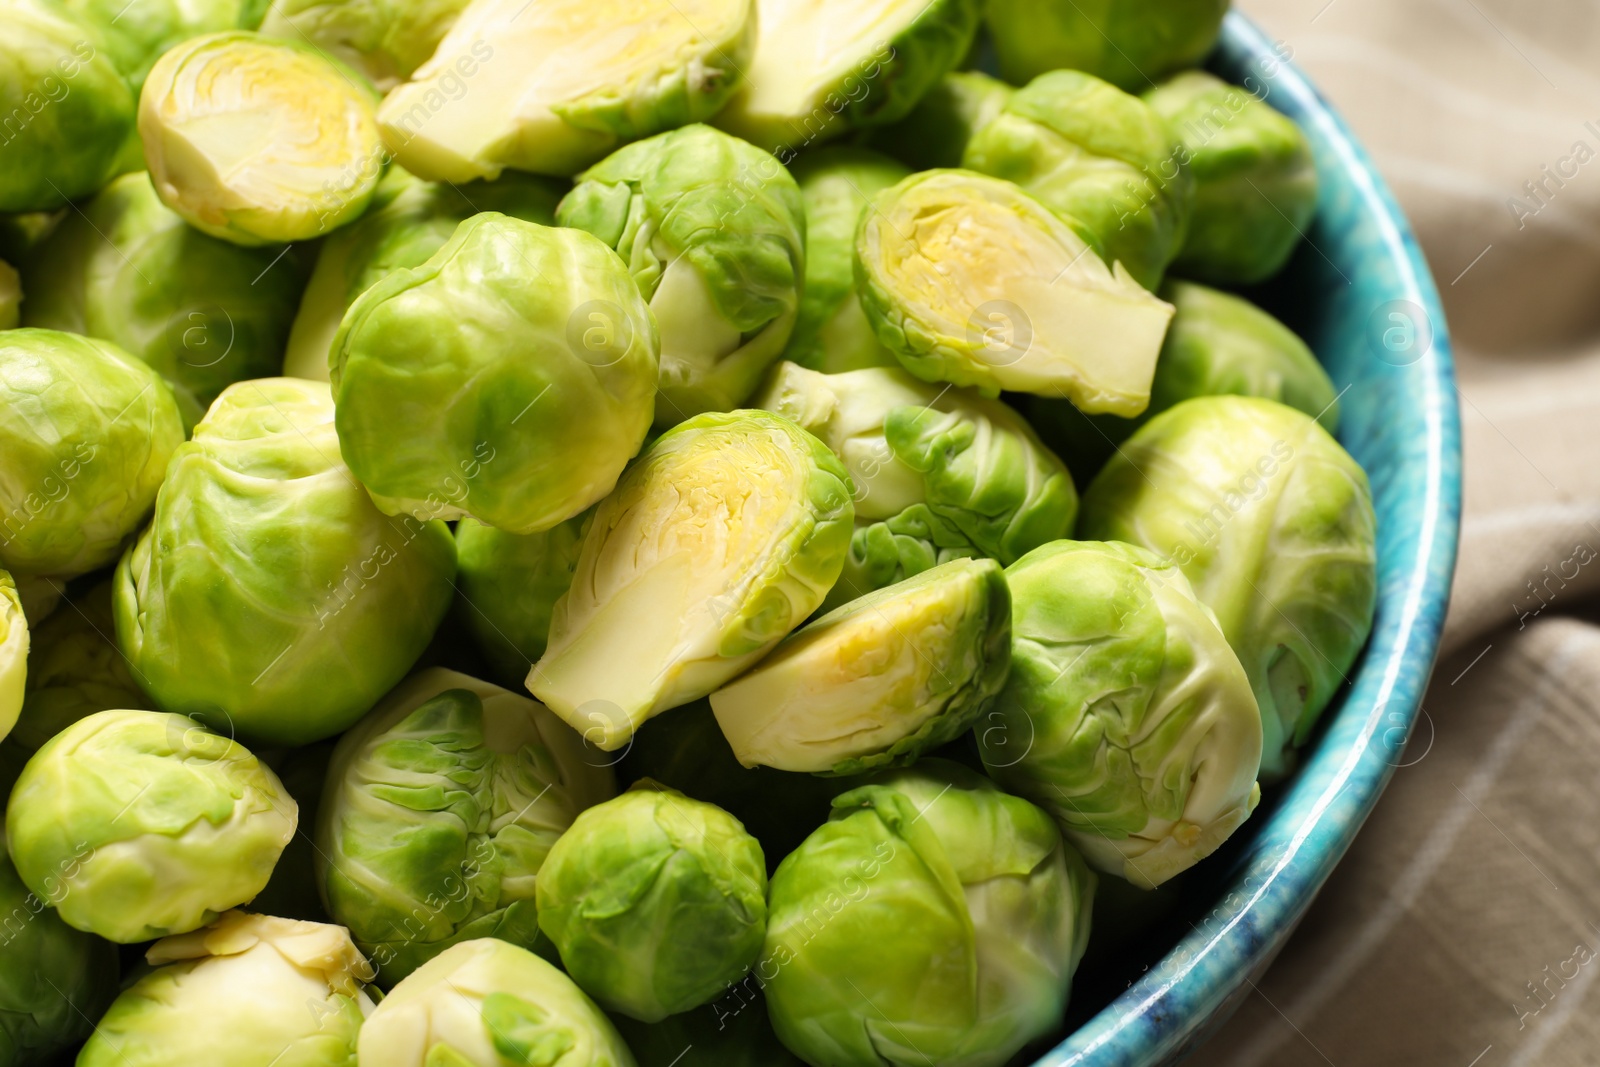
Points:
(1360, 294)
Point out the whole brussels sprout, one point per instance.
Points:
(938, 129)
(292, 892)
(137, 34)
(440, 809)
(74, 670)
(408, 222)
(68, 109)
(1100, 158)
(831, 334)
(435, 367)
(829, 66)
(879, 681)
(247, 991)
(932, 919)
(724, 535)
(967, 279)
(1273, 524)
(54, 980)
(713, 231)
(13, 655)
(656, 902)
(259, 141)
(1218, 345)
(1254, 176)
(551, 87)
(732, 1031)
(86, 432)
(1126, 42)
(10, 297)
(486, 1003)
(938, 473)
(383, 40)
(509, 584)
(204, 313)
(268, 596)
(139, 824)
(1126, 715)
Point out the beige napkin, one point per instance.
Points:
(1463, 928)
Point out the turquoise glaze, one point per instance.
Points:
(1399, 419)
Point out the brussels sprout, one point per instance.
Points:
(1254, 175)
(67, 108)
(938, 473)
(268, 597)
(54, 980)
(732, 1031)
(136, 34)
(967, 279)
(933, 919)
(1126, 42)
(10, 297)
(1272, 522)
(939, 127)
(830, 333)
(509, 585)
(74, 670)
(409, 221)
(440, 809)
(724, 536)
(86, 432)
(1100, 158)
(877, 682)
(1218, 345)
(486, 1003)
(829, 66)
(259, 141)
(204, 313)
(1126, 714)
(292, 892)
(434, 367)
(382, 39)
(138, 824)
(247, 991)
(553, 87)
(656, 902)
(713, 230)
(13, 654)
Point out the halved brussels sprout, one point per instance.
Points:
(552, 87)
(10, 297)
(1254, 176)
(656, 902)
(508, 587)
(382, 39)
(67, 108)
(75, 670)
(940, 126)
(1100, 158)
(1126, 714)
(54, 980)
(86, 432)
(13, 654)
(713, 230)
(486, 1003)
(204, 313)
(1273, 524)
(933, 919)
(938, 473)
(259, 141)
(408, 222)
(139, 824)
(1126, 42)
(831, 334)
(510, 377)
(269, 598)
(968, 279)
(441, 807)
(725, 535)
(824, 67)
(136, 34)
(879, 681)
(1218, 345)
(247, 991)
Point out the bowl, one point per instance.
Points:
(1359, 292)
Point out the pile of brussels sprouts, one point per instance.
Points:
(570, 532)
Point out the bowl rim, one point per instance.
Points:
(1196, 985)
